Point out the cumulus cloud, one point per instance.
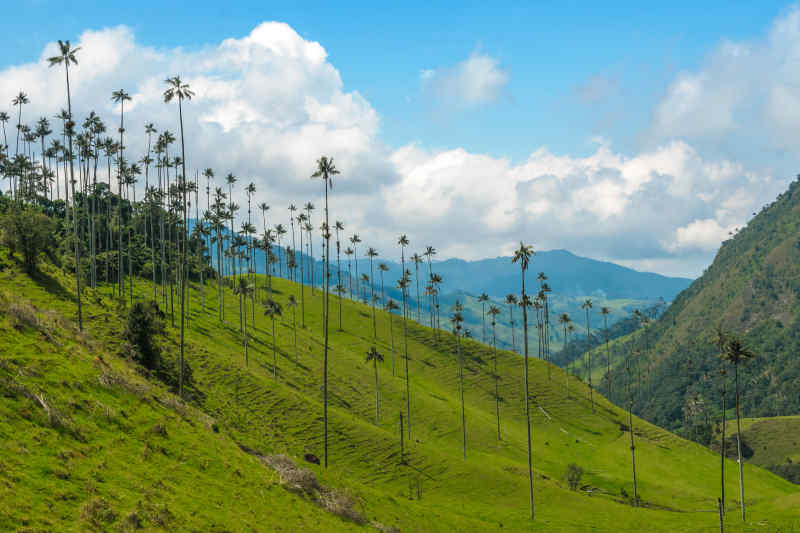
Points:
(477, 80)
(746, 93)
(269, 103)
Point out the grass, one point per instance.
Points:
(122, 445)
(772, 440)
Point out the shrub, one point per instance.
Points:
(28, 231)
(145, 322)
(574, 475)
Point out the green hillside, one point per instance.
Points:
(774, 443)
(91, 441)
(752, 289)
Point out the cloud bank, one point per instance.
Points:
(270, 103)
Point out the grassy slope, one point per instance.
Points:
(47, 475)
(773, 440)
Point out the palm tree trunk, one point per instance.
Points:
(325, 316)
(183, 252)
(739, 441)
(391, 335)
(294, 328)
(496, 382)
(74, 224)
(722, 444)
(511, 316)
(302, 286)
(461, 391)
(589, 355)
(527, 400)
(274, 350)
(375, 366)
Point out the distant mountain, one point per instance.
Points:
(568, 274)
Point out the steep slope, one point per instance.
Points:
(120, 442)
(774, 444)
(752, 289)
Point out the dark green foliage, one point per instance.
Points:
(29, 232)
(145, 324)
(789, 471)
(574, 475)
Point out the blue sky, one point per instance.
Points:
(551, 50)
(636, 132)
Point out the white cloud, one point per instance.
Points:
(477, 80)
(745, 93)
(270, 103)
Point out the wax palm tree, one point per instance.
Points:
(565, 320)
(375, 357)
(390, 308)
(338, 226)
(417, 259)
(280, 231)
(349, 252)
(402, 284)
(372, 254)
(483, 298)
(383, 267)
(605, 311)
(4, 118)
(292, 302)
(66, 56)
(273, 309)
(120, 97)
(326, 170)
(587, 306)
(523, 256)
(457, 319)
(180, 90)
(429, 252)
(494, 311)
(292, 209)
(22, 99)
(364, 284)
(736, 353)
(721, 340)
(511, 301)
(630, 428)
(354, 240)
(243, 289)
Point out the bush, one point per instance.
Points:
(28, 231)
(145, 322)
(574, 475)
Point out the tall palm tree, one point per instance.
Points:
(180, 90)
(417, 259)
(354, 240)
(494, 311)
(301, 218)
(267, 245)
(605, 311)
(587, 306)
(22, 99)
(383, 267)
(66, 56)
(565, 320)
(309, 207)
(375, 358)
(120, 97)
(391, 307)
(523, 256)
(457, 319)
(630, 428)
(511, 301)
(364, 285)
(326, 170)
(372, 253)
(292, 302)
(273, 309)
(736, 353)
(402, 284)
(243, 289)
(430, 251)
(483, 298)
(338, 226)
(721, 341)
(292, 209)
(349, 252)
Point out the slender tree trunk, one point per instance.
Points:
(496, 380)
(325, 317)
(511, 316)
(391, 336)
(274, 351)
(74, 219)
(739, 441)
(461, 391)
(183, 252)
(589, 356)
(633, 446)
(377, 409)
(527, 399)
(722, 444)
